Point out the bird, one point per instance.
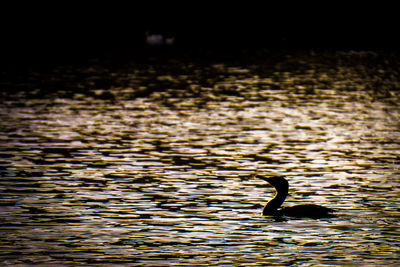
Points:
(273, 207)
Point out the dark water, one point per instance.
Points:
(151, 164)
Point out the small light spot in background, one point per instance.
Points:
(157, 39)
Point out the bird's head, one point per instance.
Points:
(279, 182)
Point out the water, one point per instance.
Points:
(151, 164)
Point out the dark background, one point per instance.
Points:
(70, 30)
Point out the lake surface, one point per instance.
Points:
(151, 163)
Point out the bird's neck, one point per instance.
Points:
(274, 204)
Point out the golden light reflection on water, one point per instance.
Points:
(166, 177)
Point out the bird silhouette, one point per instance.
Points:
(273, 207)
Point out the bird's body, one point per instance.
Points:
(304, 210)
(273, 207)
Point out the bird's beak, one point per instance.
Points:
(262, 177)
(267, 179)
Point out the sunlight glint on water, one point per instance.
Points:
(166, 178)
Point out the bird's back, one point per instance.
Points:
(307, 210)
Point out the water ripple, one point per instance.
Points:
(156, 170)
